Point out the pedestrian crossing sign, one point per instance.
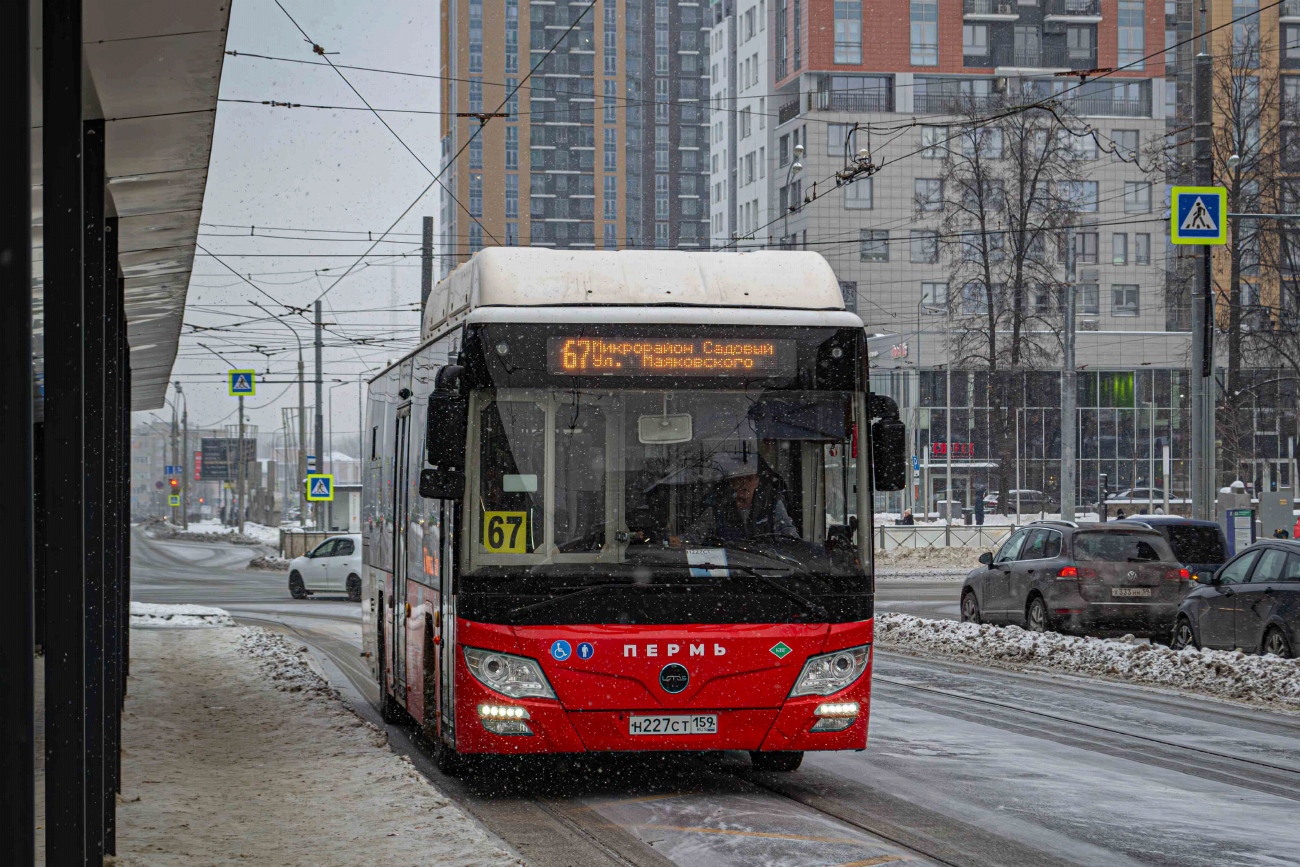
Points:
(242, 383)
(320, 488)
(174, 499)
(1198, 215)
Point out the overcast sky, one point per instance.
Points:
(311, 169)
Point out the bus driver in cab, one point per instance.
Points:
(747, 505)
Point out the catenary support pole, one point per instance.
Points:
(319, 511)
(1202, 409)
(64, 501)
(241, 466)
(1069, 389)
(426, 264)
(113, 533)
(17, 629)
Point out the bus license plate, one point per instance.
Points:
(699, 724)
(1130, 591)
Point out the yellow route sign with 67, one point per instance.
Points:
(505, 532)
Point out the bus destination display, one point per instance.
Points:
(670, 356)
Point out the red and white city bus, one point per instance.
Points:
(615, 501)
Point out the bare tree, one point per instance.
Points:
(1010, 187)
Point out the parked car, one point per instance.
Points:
(1199, 545)
(1030, 501)
(333, 566)
(1151, 499)
(1252, 603)
(1098, 579)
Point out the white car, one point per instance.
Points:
(333, 566)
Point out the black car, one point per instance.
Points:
(1099, 579)
(1252, 603)
(1199, 545)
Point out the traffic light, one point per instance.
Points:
(175, 483)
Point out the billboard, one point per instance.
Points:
(219, 457)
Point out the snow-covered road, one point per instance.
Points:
(966, 764)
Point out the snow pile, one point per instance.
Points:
(931, 558)
(259, 534)
(144, 614)
(276, 564)
(211, 531)
(285, 664)
(1222, 674)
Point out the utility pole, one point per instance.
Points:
(318, 513)
(426, 265)
(1069, 390)
(241, 468)
(302, 417)
(185, 462)
(1202, 373)
(176, 458)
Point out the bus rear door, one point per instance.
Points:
(401, 524)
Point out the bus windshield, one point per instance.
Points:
(657, 485)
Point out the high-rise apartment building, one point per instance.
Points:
(740, 83)
(605, 146)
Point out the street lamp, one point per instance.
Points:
(795, 168)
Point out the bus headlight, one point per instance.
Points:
(515, 676)
(831, 672)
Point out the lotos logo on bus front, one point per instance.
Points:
(674, 677)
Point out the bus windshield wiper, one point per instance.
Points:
(550, 600)
(815, 607)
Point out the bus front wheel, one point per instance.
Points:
(781, 761)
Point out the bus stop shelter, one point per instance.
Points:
(111, 107)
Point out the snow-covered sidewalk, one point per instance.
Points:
(235, 752)
(1235, 676)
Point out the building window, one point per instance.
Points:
(476, 94)
(611, 236)
(661, 234)
(1124, 299)
(783, 150)
(1291, 42)
(611, 197)
(512, 101)
(476, 152)
(1132, 33)
(934, 296)
(1088, 299)
(661, 153)
(1081, 195)
(1085, 248)
(848, 31)
(873, 245)
(982, 141)
(1142, 249)
(611, 149)
(1119, 248)
(837, 134)
(781, 40)
(611, 101)
(1078, 42)
(1126, 144)
(512, 195)
(512, 147)
(928, 193)
(925, 32)
(512, 35)
(798, 36)
(858, 195)
(849, 292)
(1137, 197)
(924, 246)
(476, 194)
(974, 299)
(475, 238)
(661, 197)
(611, 38)
(934, 142)
(475, 35)
(975, 40)
(1245, 33)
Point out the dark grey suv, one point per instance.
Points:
(1098, 579)
(1253, 602)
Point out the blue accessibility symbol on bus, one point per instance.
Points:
(586, 651)
(561, 650)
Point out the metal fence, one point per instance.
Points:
(295, 543)
(892, 536)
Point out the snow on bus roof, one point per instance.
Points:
(537, 276)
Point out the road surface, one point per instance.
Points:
(965, 765)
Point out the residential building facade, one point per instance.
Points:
(606, 145)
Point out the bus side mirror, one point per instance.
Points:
(889, 454)
(446, 425)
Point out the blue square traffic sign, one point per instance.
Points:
(1198, 215)
(242, 383)
(320, 488)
